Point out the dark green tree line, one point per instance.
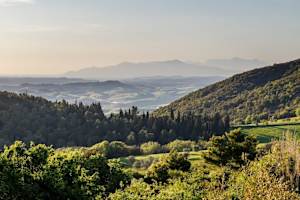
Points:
(28, 118)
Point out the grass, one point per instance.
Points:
(142, 157)
(268, 133)
(194, 156)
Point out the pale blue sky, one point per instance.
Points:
(54, 36)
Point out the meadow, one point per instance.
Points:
(267, 133)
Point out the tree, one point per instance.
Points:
(158, 172)
(298, 112)
(248, 119)
(131, 138)
(178, 161)
(39, 172)
(172, 115)
(232, 149)
(62, 124)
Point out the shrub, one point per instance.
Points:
(180, 145)
(258, 182)
(159, 172)
(178, 161)
(151, 148)
(114, 149)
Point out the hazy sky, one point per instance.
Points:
(54, 36)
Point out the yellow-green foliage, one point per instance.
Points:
(79, 173)
(151, 148)
(39, 172)
(258, 182)
(180, 145)
(274, 176)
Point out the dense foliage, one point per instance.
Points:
(117, 149)
(38, 172)
(28, 118)
(270, 92)
(273, 176)
(232, 149)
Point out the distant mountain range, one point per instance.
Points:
(167, 68)
(263, 93)
(236, 65)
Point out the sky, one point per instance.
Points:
(55, 36)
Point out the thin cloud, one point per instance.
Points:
(15, 2)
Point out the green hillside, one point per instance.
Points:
(268, 133)
(272, 91)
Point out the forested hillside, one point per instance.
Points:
(29, 118)
(263, 93)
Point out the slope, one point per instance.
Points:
(272, 91)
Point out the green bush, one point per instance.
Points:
(151, 148)
(159, 171)
(114, 149)
(181, 145)
(178, 161)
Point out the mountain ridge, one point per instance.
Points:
(173, 67)
(263, 92)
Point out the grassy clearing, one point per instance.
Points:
(193, 156)
(267, 133)
(142, 157)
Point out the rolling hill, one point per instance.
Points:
(272, 91)
(146, 93)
